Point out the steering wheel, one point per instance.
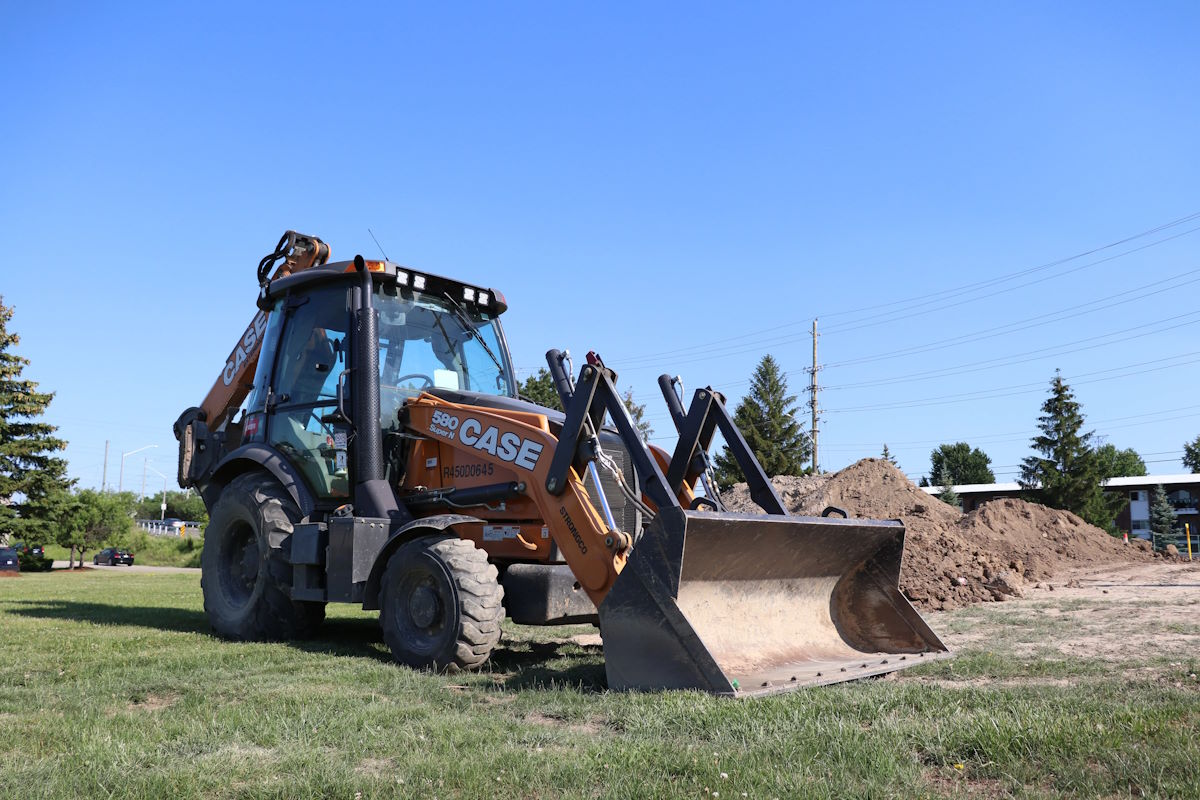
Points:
(428, 380)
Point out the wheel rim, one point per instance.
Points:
(239, 567)
(422, 607)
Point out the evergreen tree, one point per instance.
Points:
(540, 389)
(30, 473)
(1191, 454)
(766, 416)
(949, 496)
(638, 412)
(1067, 474)
(887, 456)
(1162, 518)
(959, 464)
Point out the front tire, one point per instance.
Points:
(244, 571)
(441, 604)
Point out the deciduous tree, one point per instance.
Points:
(181, 505)
(1114, 463)
(92, 519)
(959, 463)
(540, 389)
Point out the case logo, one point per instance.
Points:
(508, 447)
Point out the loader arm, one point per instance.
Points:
(513, 443)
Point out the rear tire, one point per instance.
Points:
(441, 604)
(245, 580)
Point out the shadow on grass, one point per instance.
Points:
(344, 637)
(545, 665)
(526, 664)
(163, 618)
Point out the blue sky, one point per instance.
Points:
(681, 187)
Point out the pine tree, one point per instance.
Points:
(887, 456)
(29, 472)
(1162, 518)
(1067, 474)
(638, 412)
(766, 416)
(1191, 454)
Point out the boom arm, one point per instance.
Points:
(294, 253)
(198, 429)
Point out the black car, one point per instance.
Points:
(32, 557)
(29, 550)
(113, 556)
(10, 559)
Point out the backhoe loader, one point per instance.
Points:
(365, 443)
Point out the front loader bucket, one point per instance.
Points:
(737, 604)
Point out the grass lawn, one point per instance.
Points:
(113, 688)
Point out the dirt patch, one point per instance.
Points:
(587, 640)
(375, 767)
(997, 552)
(150, 703)
(9, 574)
(956, 780)
(591, 726)
(1132, 620)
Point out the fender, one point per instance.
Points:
(404, 534)
(260, 456)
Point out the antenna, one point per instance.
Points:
(377, 244)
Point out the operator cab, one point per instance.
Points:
(434, 334)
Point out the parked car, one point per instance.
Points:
(32, 557)
(10, 560)
(113, 556)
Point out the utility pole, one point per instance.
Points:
(812, 401)
(104, 474)
(142, 496)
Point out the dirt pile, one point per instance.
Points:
(952, 559)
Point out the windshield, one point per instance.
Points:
(427, 341)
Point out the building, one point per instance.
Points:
(1183, 492)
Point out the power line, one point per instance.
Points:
(941, 305)
(637, 362)
(1120, 298)
(1020, 388)
(1123, 298)
(1019, 358)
